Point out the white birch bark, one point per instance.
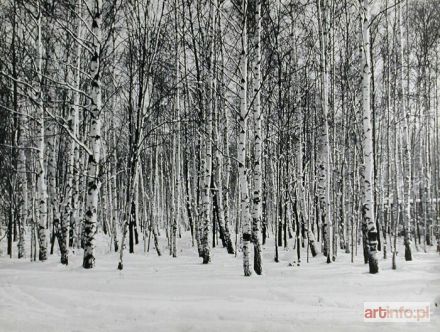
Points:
(22, 187)
(225, 157)
(34, 215)
(324, 157)
(207, 158)
(174, 199)
(226, 186)
(70, 197)
(176, 146)
(367, 142)
(41, 176)
(206, 190)
(258, 141)
(74, 157)
(94, 140)
(242, 146)
(114, 179)
(197, 179)
(53, 207)
(405, 112)
(156, 213)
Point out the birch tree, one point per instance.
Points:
(257, 171)
(324, 153)
(207, 150)
(405, 112)
(41, 180)
(242, 144)
(94, 139)
(367, 142)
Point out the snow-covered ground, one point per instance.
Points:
(181, 294)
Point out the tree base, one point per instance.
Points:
(206, 259)
(64, 260)
(408, 254)
(247, 272)
(373, 264)
(258, 266)
(89, 262)
(230, 247)
(42, 256)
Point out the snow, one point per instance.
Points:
(181, 294)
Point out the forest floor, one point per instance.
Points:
(181, 294)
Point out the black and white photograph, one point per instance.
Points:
(219, 165)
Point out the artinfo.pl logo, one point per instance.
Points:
(396, 312)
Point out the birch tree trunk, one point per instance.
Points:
(207, 158)
(324, 157)
(94, 140)
(367, 142)
(242, 146)
(156, 213)
(405, 113)
(225, 161)
(68, 196)
(53, 202)
(258, 176)
(18, 142)
(74, 157)
(41, 180)
(69, 205)
(176, 166)
(22, 187)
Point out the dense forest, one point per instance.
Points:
(243, 124)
